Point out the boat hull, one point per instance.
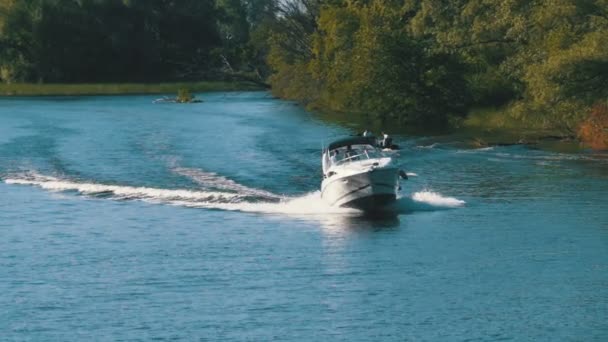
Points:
(366, 191)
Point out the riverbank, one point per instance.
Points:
(496, 127)
(78, 89)
(482, 128)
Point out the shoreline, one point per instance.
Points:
(476, 131)
(94, 89)
(481, 134)
(479, 137)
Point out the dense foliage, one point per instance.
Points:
(540, 62)
(125, 40)
(543, 62)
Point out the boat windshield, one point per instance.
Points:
(354, 153)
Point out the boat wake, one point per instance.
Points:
(213, 181)
(427, 201)
(224, 194)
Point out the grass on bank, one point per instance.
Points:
(493, 126)
(55, 89)
(493, 120)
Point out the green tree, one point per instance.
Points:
(363, 59)
(105, 40)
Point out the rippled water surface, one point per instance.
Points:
(125, 220)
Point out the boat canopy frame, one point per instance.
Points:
(351, 141)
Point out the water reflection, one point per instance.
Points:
(360, 223)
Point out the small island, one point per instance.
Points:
(183, 96)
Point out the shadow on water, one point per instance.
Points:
(361, 223)
(375, 221)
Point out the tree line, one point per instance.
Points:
(129, 40)
(427, 62)
(541, 62)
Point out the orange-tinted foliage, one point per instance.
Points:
(594, 130)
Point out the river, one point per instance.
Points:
(127, 220)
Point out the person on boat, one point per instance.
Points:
(387, 141)
(334, 157)
(349, 152)
(367, 133)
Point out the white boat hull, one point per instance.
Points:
(368, 190)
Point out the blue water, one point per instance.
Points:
(125, 220)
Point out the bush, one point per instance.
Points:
(184, 96)
(593, 132)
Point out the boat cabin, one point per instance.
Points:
(349, 150)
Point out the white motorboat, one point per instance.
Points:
(357, 174)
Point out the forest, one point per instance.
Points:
(515, 63)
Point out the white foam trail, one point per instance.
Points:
(411, 174)
(309, 204)
(428, 146)
(313, 204)
(123, 192)
(306, 205)
(427, 201)
(437, 200)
